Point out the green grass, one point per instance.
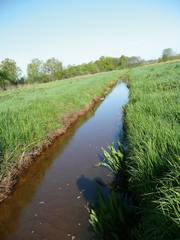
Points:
(153, 133)
(28, 114)
(152, 160)
(113, 217)
(113, 158)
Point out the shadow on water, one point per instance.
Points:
(90, 189)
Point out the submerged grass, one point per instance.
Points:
(29, 114)
(153, 154)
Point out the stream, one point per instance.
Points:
(51, 199)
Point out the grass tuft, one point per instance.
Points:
(113, 158)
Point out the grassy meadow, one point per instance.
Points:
(29, 113)
(152, 159)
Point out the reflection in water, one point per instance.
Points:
(49, 200)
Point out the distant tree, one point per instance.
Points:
(92, 67)
(35, 71)
(10, 70)
(53, 68)
(105, 63)
(22, 80)
(115, 62)
(167, 53)
(3, 79)
(134, 61)
(123, 61)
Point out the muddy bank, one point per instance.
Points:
(7, 184)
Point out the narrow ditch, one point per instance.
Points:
(51, 200)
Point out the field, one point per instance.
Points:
(152, 160)
(30, 113)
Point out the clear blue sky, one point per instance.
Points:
(77, 31)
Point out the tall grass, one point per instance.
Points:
(29, 114)
(152, 159)
(153, 133)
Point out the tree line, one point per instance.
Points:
(39, 71)
(52, 69)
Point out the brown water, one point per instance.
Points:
(50, 201)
